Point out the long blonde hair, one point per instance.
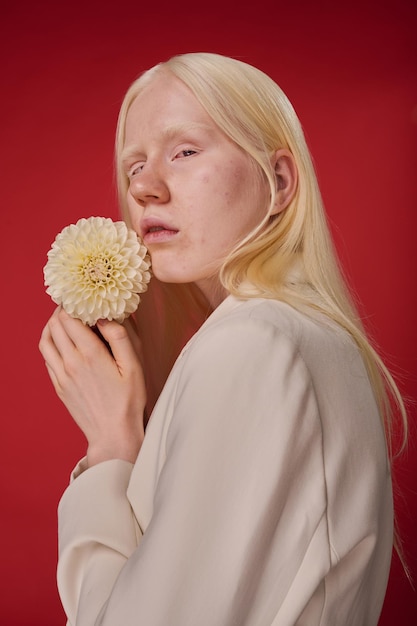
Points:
(289, 257)
(252, 110)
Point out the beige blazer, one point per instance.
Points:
(261, 495)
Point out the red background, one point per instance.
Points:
(350, 70)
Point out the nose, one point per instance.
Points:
(149, 186)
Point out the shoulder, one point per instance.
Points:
(256, 322)
(259, 336)
(245, 327)
(243, 350)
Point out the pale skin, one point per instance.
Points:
(192, 195)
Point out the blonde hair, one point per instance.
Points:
(251, 109)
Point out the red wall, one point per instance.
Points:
(350, 70)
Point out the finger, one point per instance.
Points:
(54, 379)
(58, 333)
(52, 357)
(132, 331)
(72, 332)
(120, 344)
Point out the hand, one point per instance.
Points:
(104, 391)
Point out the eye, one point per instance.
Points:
(135, 169)
(185, 153)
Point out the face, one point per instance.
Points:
(193, 194)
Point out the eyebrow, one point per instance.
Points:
(170, 132)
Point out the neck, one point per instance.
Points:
(213, 291)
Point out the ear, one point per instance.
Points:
(286, 175)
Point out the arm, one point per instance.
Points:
(105, 394)
(234, 510)
(97, 534)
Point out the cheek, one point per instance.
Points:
(133, 207)
(244, 197)
(134, 213)
(241, 182)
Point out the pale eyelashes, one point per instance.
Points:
(136, 168)
(175, 141)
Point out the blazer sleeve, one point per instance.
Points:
(97, 534)
(240, 504)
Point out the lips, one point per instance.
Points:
(154, 230)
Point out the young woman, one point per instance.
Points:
(260, 493)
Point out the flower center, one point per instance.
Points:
(98, 269)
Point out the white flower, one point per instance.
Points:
(96, 269)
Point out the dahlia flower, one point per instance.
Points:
(96, 269)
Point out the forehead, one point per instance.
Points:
(165, 102)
